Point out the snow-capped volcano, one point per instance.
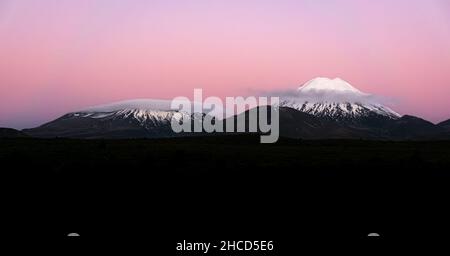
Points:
(336, 99)
(148, 112)
(326, 85)
(141, 118)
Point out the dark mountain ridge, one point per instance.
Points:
(445, 125)
(293, 124)
(11, 133)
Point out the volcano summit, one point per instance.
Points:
(336, 99)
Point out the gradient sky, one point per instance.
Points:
(58, 56)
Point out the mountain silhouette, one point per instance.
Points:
(11, 133)
(321, 108)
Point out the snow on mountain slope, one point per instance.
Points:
(151, 112)
(142, 118)
(142, 104)
(153, 116)
(335, 98)
(324, 97)
(324, 84)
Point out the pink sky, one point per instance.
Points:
(58, 56)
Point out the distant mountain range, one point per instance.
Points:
(320, 109)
